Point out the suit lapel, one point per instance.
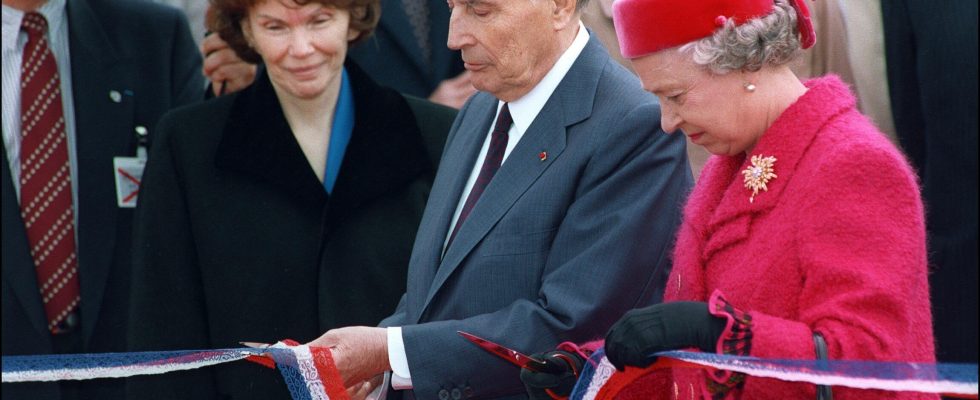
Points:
(18, 267)
(463, 147)
(104, 128)
(570, 103)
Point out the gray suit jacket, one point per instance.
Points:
(555, 250)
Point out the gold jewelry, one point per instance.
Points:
(758, 174)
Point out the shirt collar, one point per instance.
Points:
(52, 10)
(525, 109)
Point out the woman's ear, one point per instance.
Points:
(356, 14)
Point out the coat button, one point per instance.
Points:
(443, 394)
(457, 394)
(468, 392)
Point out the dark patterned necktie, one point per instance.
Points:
(418, 16)
(45, 176)
(495, 155)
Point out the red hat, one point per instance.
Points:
(647, 26)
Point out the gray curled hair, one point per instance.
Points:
(769, 40)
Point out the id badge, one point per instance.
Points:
(129, 172)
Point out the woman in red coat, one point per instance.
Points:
(805, 231)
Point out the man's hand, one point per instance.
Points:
(360, 352)
(223, 68)
(454, 92)
(362, 390)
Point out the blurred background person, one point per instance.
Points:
(282, 210)
(932, 79)
(103, 74)
(408, 52)
(804, 237)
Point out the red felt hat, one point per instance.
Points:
(647, 26)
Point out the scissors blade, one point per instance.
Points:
(255, 345)
(513, 356)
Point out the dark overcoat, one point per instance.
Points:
(236, 238)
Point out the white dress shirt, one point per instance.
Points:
(523, 111)
(14, 41)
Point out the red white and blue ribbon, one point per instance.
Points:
(949, 379)
(309, 372)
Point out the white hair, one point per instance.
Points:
(769, 40)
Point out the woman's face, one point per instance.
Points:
(303, 47)
(712, 110)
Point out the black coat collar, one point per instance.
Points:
(385, 152)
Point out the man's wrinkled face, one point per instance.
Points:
(505, 43)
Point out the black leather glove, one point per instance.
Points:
(559, 374)
(665, 326)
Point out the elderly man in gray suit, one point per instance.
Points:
(552, 212)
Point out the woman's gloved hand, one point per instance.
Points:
(665, 326)
(558, 378)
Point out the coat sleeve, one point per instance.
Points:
(861, 248)
(610, 254)
(167, 307)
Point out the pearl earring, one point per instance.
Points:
(749, 87)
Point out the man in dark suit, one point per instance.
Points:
(931, 54)
(552, 211)
(119, 65)
(408, 52)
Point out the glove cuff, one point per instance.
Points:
(736, 339)
(584, 353)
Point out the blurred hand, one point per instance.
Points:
(223, 68)
(561, 372)
(362, 390)
(454, 92)
(665, 326)
(360, 352)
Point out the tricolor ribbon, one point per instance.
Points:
(958, 380)
(309, 372)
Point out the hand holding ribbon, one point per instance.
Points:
(359, 352)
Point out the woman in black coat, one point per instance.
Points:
(281, 211)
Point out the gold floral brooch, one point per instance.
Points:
(758, 174)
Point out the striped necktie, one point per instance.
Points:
(45, 177)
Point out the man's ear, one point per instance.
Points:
(564, 13)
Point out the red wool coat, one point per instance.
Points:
(836, 246)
